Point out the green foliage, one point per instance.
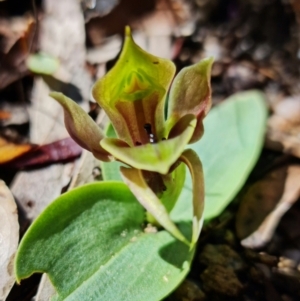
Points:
(42, 63)
(156, 157)
(90, 242)
(229, 149)
(232, 142)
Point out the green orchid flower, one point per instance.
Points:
(133, 95)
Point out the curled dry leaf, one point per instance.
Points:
(10, 151)
(290, 195)
(9, 237)
(259, 200)
(63, 150)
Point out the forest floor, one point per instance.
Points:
(252, 250)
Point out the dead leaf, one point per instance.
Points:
(107, 50)
(35, 189)
(9, 237)
(290, 195)
(88, 168)
(13, 112)
(283, 132)
(259, 200)
(4, 115)
(10, 151)
(57, 152)
(12, 63)
(11, 29)
(46, 289)
(289, 109)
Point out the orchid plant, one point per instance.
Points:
(88, 235)
(133, 95)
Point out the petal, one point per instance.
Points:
(191, 94)
(134, 179)
(82, 127)
(156, 157)
(132, 93)
(190, 158)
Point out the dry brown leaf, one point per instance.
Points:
(9, 237)
(35, 189)
(88, 168)
(45, 290)
(259, 200)
(290, 195)
(4, 115)
(13, 113)
(283, 132)
(62, 35)
(296, 6)
(61, 151)
(108, 50)
(12, 61)
(10, 151)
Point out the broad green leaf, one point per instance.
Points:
(229, 149)
(157, 157)
(42, 63)
(90, 242)
(132, 93)
(81, 126)
(134, 179)
(191, 94)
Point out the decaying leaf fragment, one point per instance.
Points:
(278, 193)
(10, 151)
(284, 126)
(63, 150)
(13, 60)
(9, 237)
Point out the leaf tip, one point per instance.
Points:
(58, 96)
(127, 31)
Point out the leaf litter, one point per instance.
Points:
(9, 238)
(251, 52)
